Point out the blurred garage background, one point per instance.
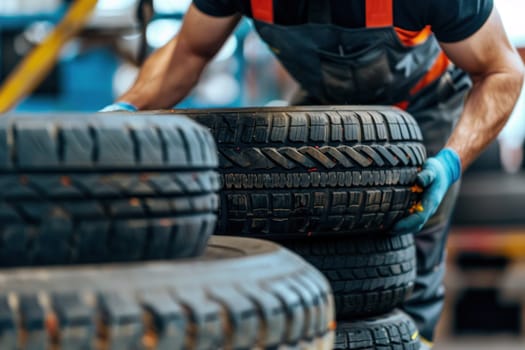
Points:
(486, 257)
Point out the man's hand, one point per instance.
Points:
(119, 107)
(438, 174)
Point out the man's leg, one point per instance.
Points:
(426, 302)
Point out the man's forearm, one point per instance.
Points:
(169, 75)
(497, 72)
(486, 111)
(163, 81)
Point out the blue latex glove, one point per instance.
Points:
(438, 174)
(119, 106)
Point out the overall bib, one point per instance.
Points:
(379, 65)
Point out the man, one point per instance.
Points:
(412, 54)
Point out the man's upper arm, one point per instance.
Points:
(486, 51)
(203, 35)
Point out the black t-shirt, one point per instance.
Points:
(451, 20)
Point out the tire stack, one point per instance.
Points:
(329, 183)
(104, 227)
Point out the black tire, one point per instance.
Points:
(368, 276)
(104, 187)
(314, 170)
(242, 294)
(395, 331)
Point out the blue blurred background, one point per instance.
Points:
(486, 261)
(243, 73)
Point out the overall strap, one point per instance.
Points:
(319, 11)
(262, 10)
(379, 13)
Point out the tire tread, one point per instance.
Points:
(301, 156)
(390, 332)
(274, 308)
(368, 276)
(123, 174)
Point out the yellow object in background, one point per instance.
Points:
(37, 64)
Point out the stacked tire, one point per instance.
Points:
(104, 228)
(329, 183)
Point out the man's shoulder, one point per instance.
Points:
(455, 20)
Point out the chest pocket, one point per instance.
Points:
(363, 77)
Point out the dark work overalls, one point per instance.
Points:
(379, 65)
